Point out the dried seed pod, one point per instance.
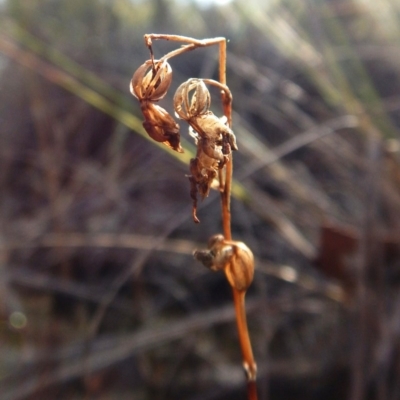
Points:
(188, 105)
(151, 81)
(213, 137)
(240, 268)
(234, 257)
(149, 84)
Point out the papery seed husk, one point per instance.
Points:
(240, 269)
(144, 83)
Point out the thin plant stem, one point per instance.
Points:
(226, 200)
(244, 338)
(185, 39)
(249, 363)
(193, 44)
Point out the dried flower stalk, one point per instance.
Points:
(215, 142)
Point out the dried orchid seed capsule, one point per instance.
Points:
(240, 269)
(190, 105)
(201, 100)
(235, 258)
(150, 82)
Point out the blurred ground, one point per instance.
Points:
(100, 297)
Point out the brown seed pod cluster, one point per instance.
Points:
(233, 257)
(213, 137)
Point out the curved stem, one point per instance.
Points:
(193, 44)
(184, 39)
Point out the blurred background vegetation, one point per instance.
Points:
(100, 297)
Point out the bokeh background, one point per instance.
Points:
(100, 297)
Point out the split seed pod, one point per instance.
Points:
(149, 84)
(233, 257)
(213, 137)
(192, 99)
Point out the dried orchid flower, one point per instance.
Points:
(149, 84)
(213, 131)
(233, 257)
(213, 138)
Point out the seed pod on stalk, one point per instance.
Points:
(233, 257)
(149, 84)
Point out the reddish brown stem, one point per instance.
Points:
(225, 200)
(249, 364)
(193, 44)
